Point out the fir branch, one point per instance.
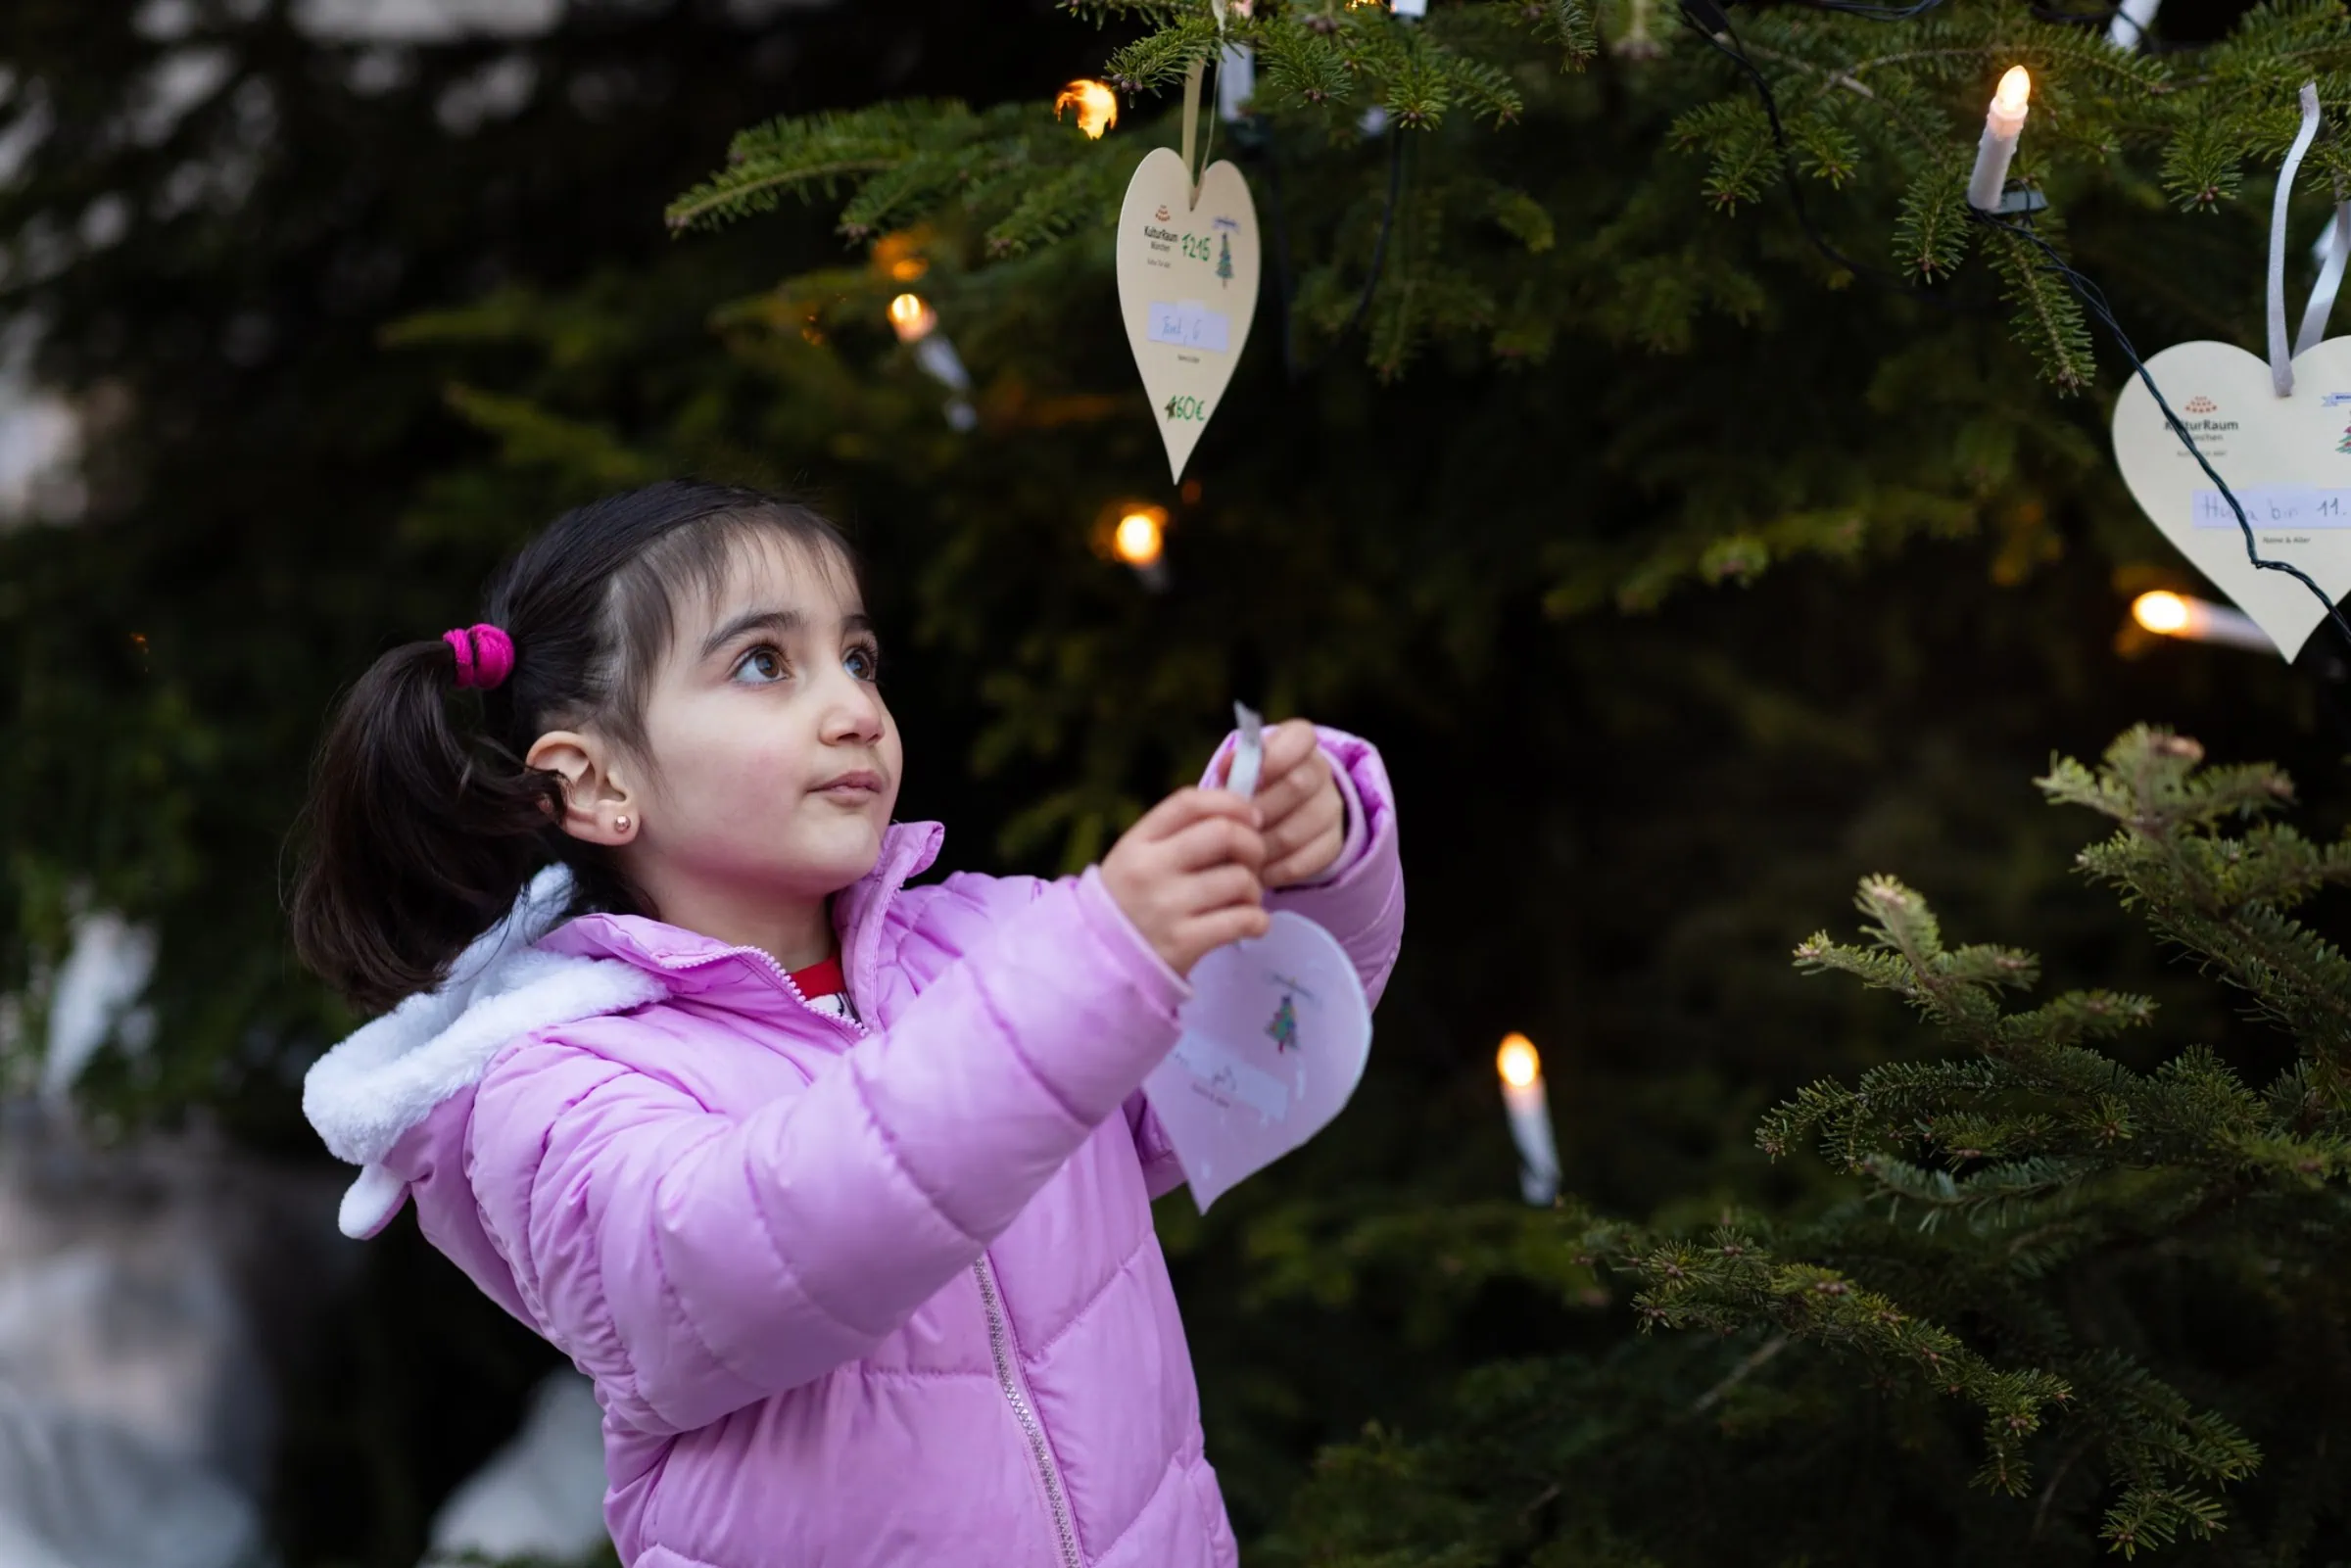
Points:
(900, 196)
(814, 154)
(2203, 164)
(1932, 232)
(1521, 217)
(1485, 88)
(1300, 68)
(1082, 195)
(1161, 60)
(2224, 899)
(2048, 317)
(2149, 1516)
(1565, 23)
(1742, 160)
(1997, 1197)
(1824, 148)
(1420, 84)
(2079, 1016)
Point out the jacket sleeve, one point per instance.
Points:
(1359, 899)
(694, 1262)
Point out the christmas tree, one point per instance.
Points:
(1688, 551)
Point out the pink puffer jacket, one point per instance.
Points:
(852, 1295)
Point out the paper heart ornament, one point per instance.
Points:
(2286, 460)
(1274, 1040)
(1187, 286)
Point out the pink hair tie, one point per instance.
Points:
(485, 655)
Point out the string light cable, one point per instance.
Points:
(1852, 8)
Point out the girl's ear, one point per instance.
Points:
(596, 802)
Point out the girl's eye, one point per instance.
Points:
(863, 663)
(763, 665)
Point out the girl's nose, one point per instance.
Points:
(853, 710)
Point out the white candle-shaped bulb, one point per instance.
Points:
(2002, 124)
(1528, 1107)
(914, 321)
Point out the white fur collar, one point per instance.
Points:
(387, 1077)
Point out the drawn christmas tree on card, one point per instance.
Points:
(1284, 1027)
(1224, 257)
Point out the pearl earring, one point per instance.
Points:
(622, 822)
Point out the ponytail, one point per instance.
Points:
(421, 837)
(424, 831)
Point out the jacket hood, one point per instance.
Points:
(370, 1090)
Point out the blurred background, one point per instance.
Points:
(312, 310)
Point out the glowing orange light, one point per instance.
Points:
(1140, 536)
(899, 256)
(2165, 613)
(1518, 1061)
(1096, 105)
(911, 318)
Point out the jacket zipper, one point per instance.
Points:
(1033, 1426)
(782, 977)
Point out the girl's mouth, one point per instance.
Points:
(851, 785)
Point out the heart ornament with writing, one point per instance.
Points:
(1275, 1041)
(2286, 460)
(1188, 287)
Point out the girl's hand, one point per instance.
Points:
(1304, 818)
(1187, 874)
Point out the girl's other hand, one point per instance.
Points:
(1301, 814)
(1187, 874)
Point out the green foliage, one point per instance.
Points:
(2027, 1209)
(1882, 114)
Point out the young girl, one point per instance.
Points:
(838, 1189)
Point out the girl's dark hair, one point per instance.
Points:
(423, 823)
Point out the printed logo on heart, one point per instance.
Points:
(2286, 460)
(1188, 287)
(1275, 1041)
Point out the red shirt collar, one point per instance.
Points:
(821, 979)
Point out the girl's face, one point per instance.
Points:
(776, 762)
